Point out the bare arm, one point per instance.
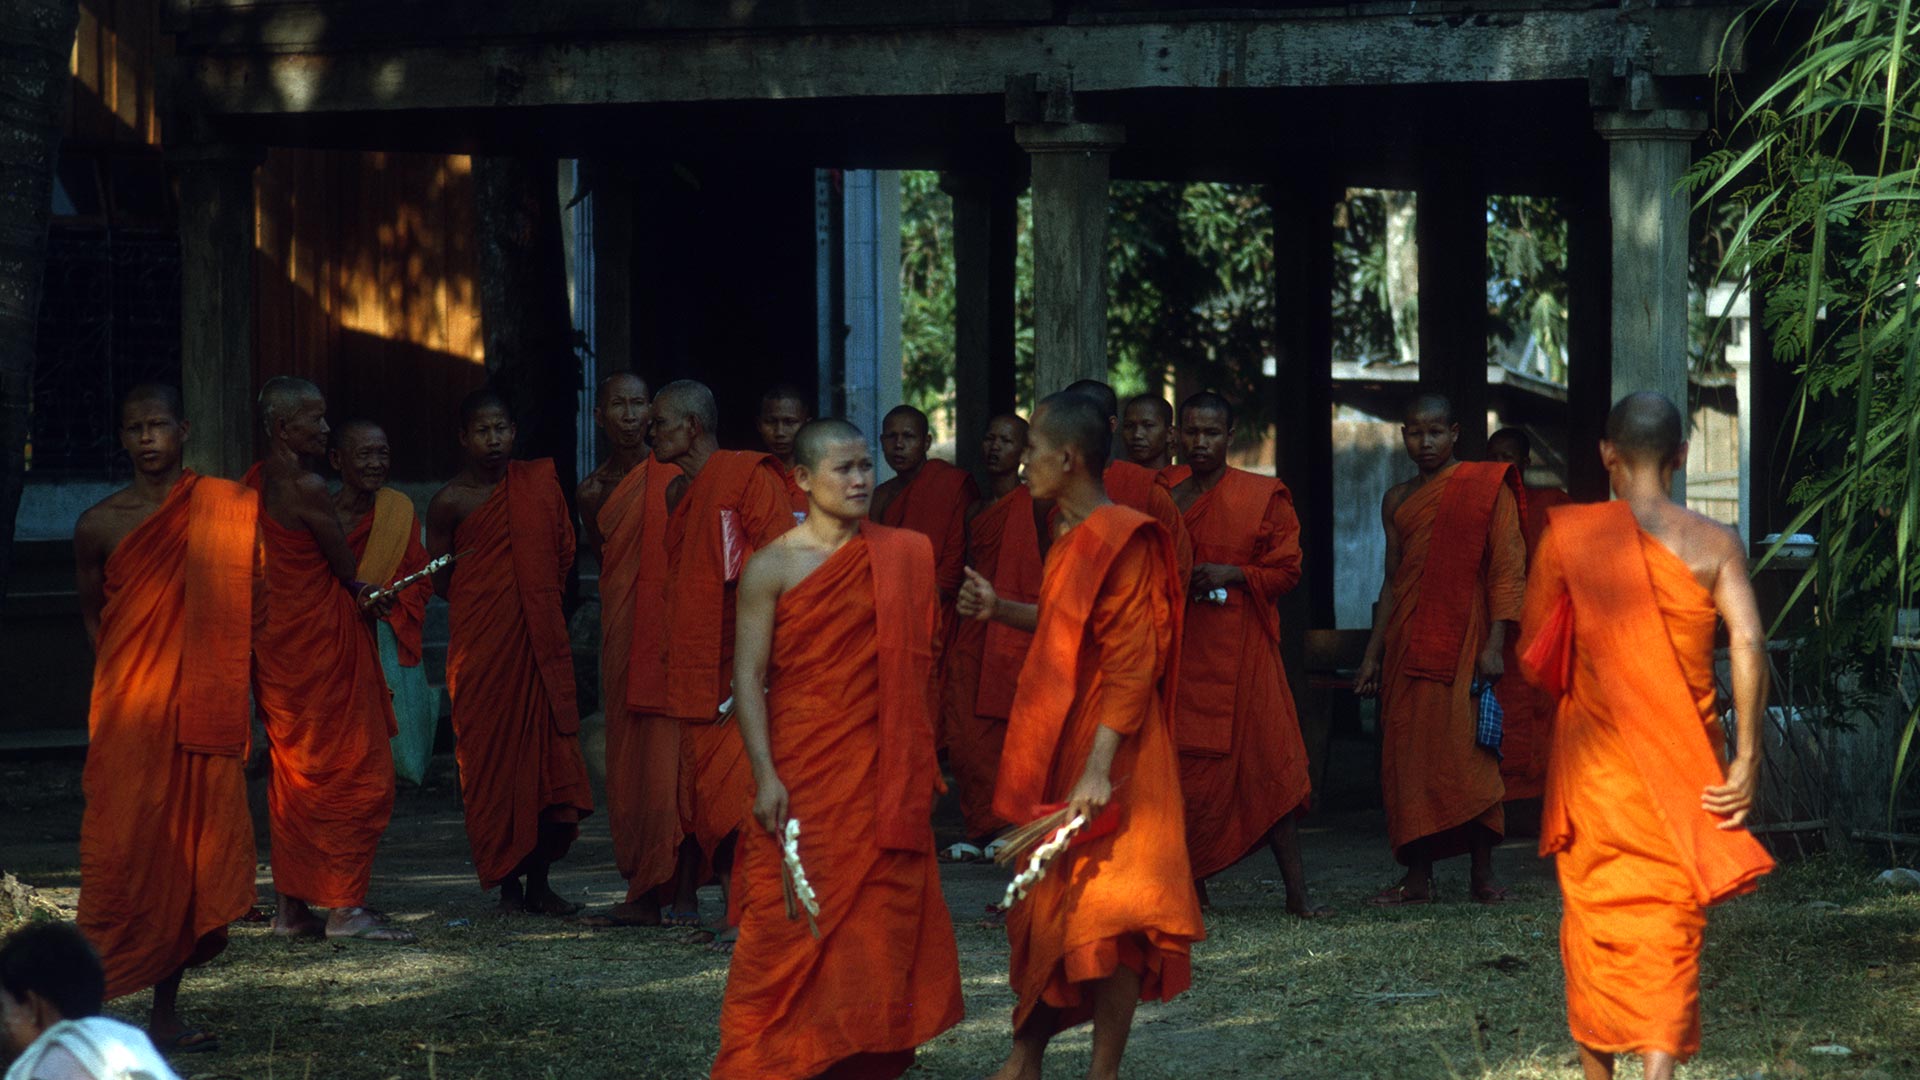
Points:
(1366, 682)
(977, 600)
(441, 519)
(591, 496)
(313, 506)
(1747, 655)
(759, 590)
(90, 574)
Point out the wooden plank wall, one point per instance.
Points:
(116, 52)
(364, 271)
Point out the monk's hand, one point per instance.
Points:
(1733, 799)
(378, 606)
(977, 600)
(770, 804)
(1091, 793)
(1492, 663)
(1366, 681)
(1207, 577)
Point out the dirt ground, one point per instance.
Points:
(1820, 958)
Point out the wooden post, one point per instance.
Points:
(1589, 336)
(983, 257)
(216, 304)
(1070, 168)
(1452, 232)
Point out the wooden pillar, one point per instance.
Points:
(1070, 169)
(1452, 236)
(216, 303)
(983, 257)
(1589, 335)
(613, 240)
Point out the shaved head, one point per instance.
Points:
(1208, 400)
(1070, 418)
(1097, 392)
(352, 430)
(786, 392)
(1438, 406)
(1646, 427)
(479, 401)
(1151, 401)
(910, 412)
(1510, 443)
(162, 394)
(816, 437)
(281, 395)
(622, 377)
(688, 398)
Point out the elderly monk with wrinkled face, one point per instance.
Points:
(317, 680)
(836, 619)
(166, 569)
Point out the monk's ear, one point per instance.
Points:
(1680, 457)
(1609, 457)
(803, 478)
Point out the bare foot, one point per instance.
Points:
(364, 924)
(645, 913)
(294, 919)
(723, 941)
(544, 901)
(513, 897)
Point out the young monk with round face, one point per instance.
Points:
(1645, 816)
(1455, 575)
(783, 410)
(835, 623)
(1113, 921)
(1146, 430)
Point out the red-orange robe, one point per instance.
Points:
(1436, 780)
(1243, 763)
(935, 504)
(853, 742)
(744, 489)
(1140, 488)
(1638, 740)
(329, 717)
(1528, 732)
(643, 744)
(408, 616)
(1108, 630)
(983, 664)
(796, 498)
(166, 844)
(510, 672)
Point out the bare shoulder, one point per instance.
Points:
(452, 503)
(1396, 495)
(1715, 539)
(311, 487)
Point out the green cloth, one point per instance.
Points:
(416, 710)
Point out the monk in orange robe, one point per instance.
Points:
(1243, 763)
(1134, 486)
(1439, 632)
(983, 662)
(836, 624)
(317, 680)
(623, 512)
(1528, 731)
(1146, 430)
(783, 412)
(166, 570)
(1643, 814)
(516, 723)
(727, 505)
(383, 532)
(1113, 921)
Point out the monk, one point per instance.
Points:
(317, 681)
(166, 570)
(726, 505)
(1529, 714)
(1136, 486)
(384, 533)
(1645, 819)
(1146, 429)
(1455, 576)
(1114, 920)
(835, 632)
(983, 664)
(783, 411)
(516, 723)
(1243, 763)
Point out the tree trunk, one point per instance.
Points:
(1403, 273)
(36, 37)
(524, 315)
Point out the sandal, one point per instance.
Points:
(680, 920)
(960, 853)
(1494, 894)
(188, 1041)
(1397, 896)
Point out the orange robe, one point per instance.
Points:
(1638, 739)
(166, 844)
(1528, 731)
(1435, 779)
(737, 498)
(1243, 764)
(1108, 630)
(408, 617)
(643, 745)
(510, 672)
(853, 742)
(935, 504)
(324, 702)
(983, 664)
(1140, 488)
(796, 498)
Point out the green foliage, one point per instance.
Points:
(1527, 285)
(1822, 168)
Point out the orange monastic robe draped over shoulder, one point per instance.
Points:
(166, 844)
(796, 498)
(1108, 632)
(643, 746)
(983, 662)
(510, 673)
(1528, 728)
(1243, 764)
(329, 716)
(737, 498)
(409, 614)
(884, 975)
(1638, 739)
(935, 505)
(1435, 778)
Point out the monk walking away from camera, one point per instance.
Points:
(1146, 430)
(1528, 728)
(1243, 763)
(835, 631)
(783, 411)
(1455, 577)
(1113, 921)
(623, 509)
(317, 680)
(727, 505)
(1646, 820)
(384, 533)
(166, 570)
(509, 659)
